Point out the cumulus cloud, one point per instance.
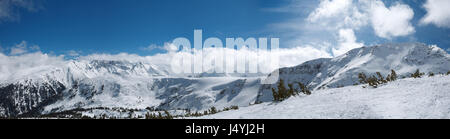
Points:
(337, 14)
(387, 22)
(437, 13)
(22, 48)
(347, 42)
(329, 8)
(9, 8)
(393, 21)
(342, 18)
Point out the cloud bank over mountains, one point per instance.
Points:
(23, 59)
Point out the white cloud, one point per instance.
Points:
(151, 47)
(437, 13)
(22, 48)
(167, 47)
(27, 65)
(73, 53)
(342, 18)
(297, 55)
(393, 21)
(387, 22)
(356, 18)
(347, 42)
(9, 8)
(18, 50)
(329, 8)
(336, 14)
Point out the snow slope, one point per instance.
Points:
(427, 97)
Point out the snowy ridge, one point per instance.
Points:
(97, 68)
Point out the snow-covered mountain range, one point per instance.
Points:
(113, 83)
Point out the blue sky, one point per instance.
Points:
(114, 26)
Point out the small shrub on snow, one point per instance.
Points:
(417, 74)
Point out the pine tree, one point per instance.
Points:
(168, 116)
(212, 110)
(291, 91)
(362, 78)
(417, 74)
(381, 79)
(275, 95)
(282, 92)
(393, 75)
(373, 81)
(147, 115)
(159, 116)
(430, 74)
(130, 115)
(304, 89)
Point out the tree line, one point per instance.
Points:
(283, 93)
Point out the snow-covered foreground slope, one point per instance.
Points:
(427, 97)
